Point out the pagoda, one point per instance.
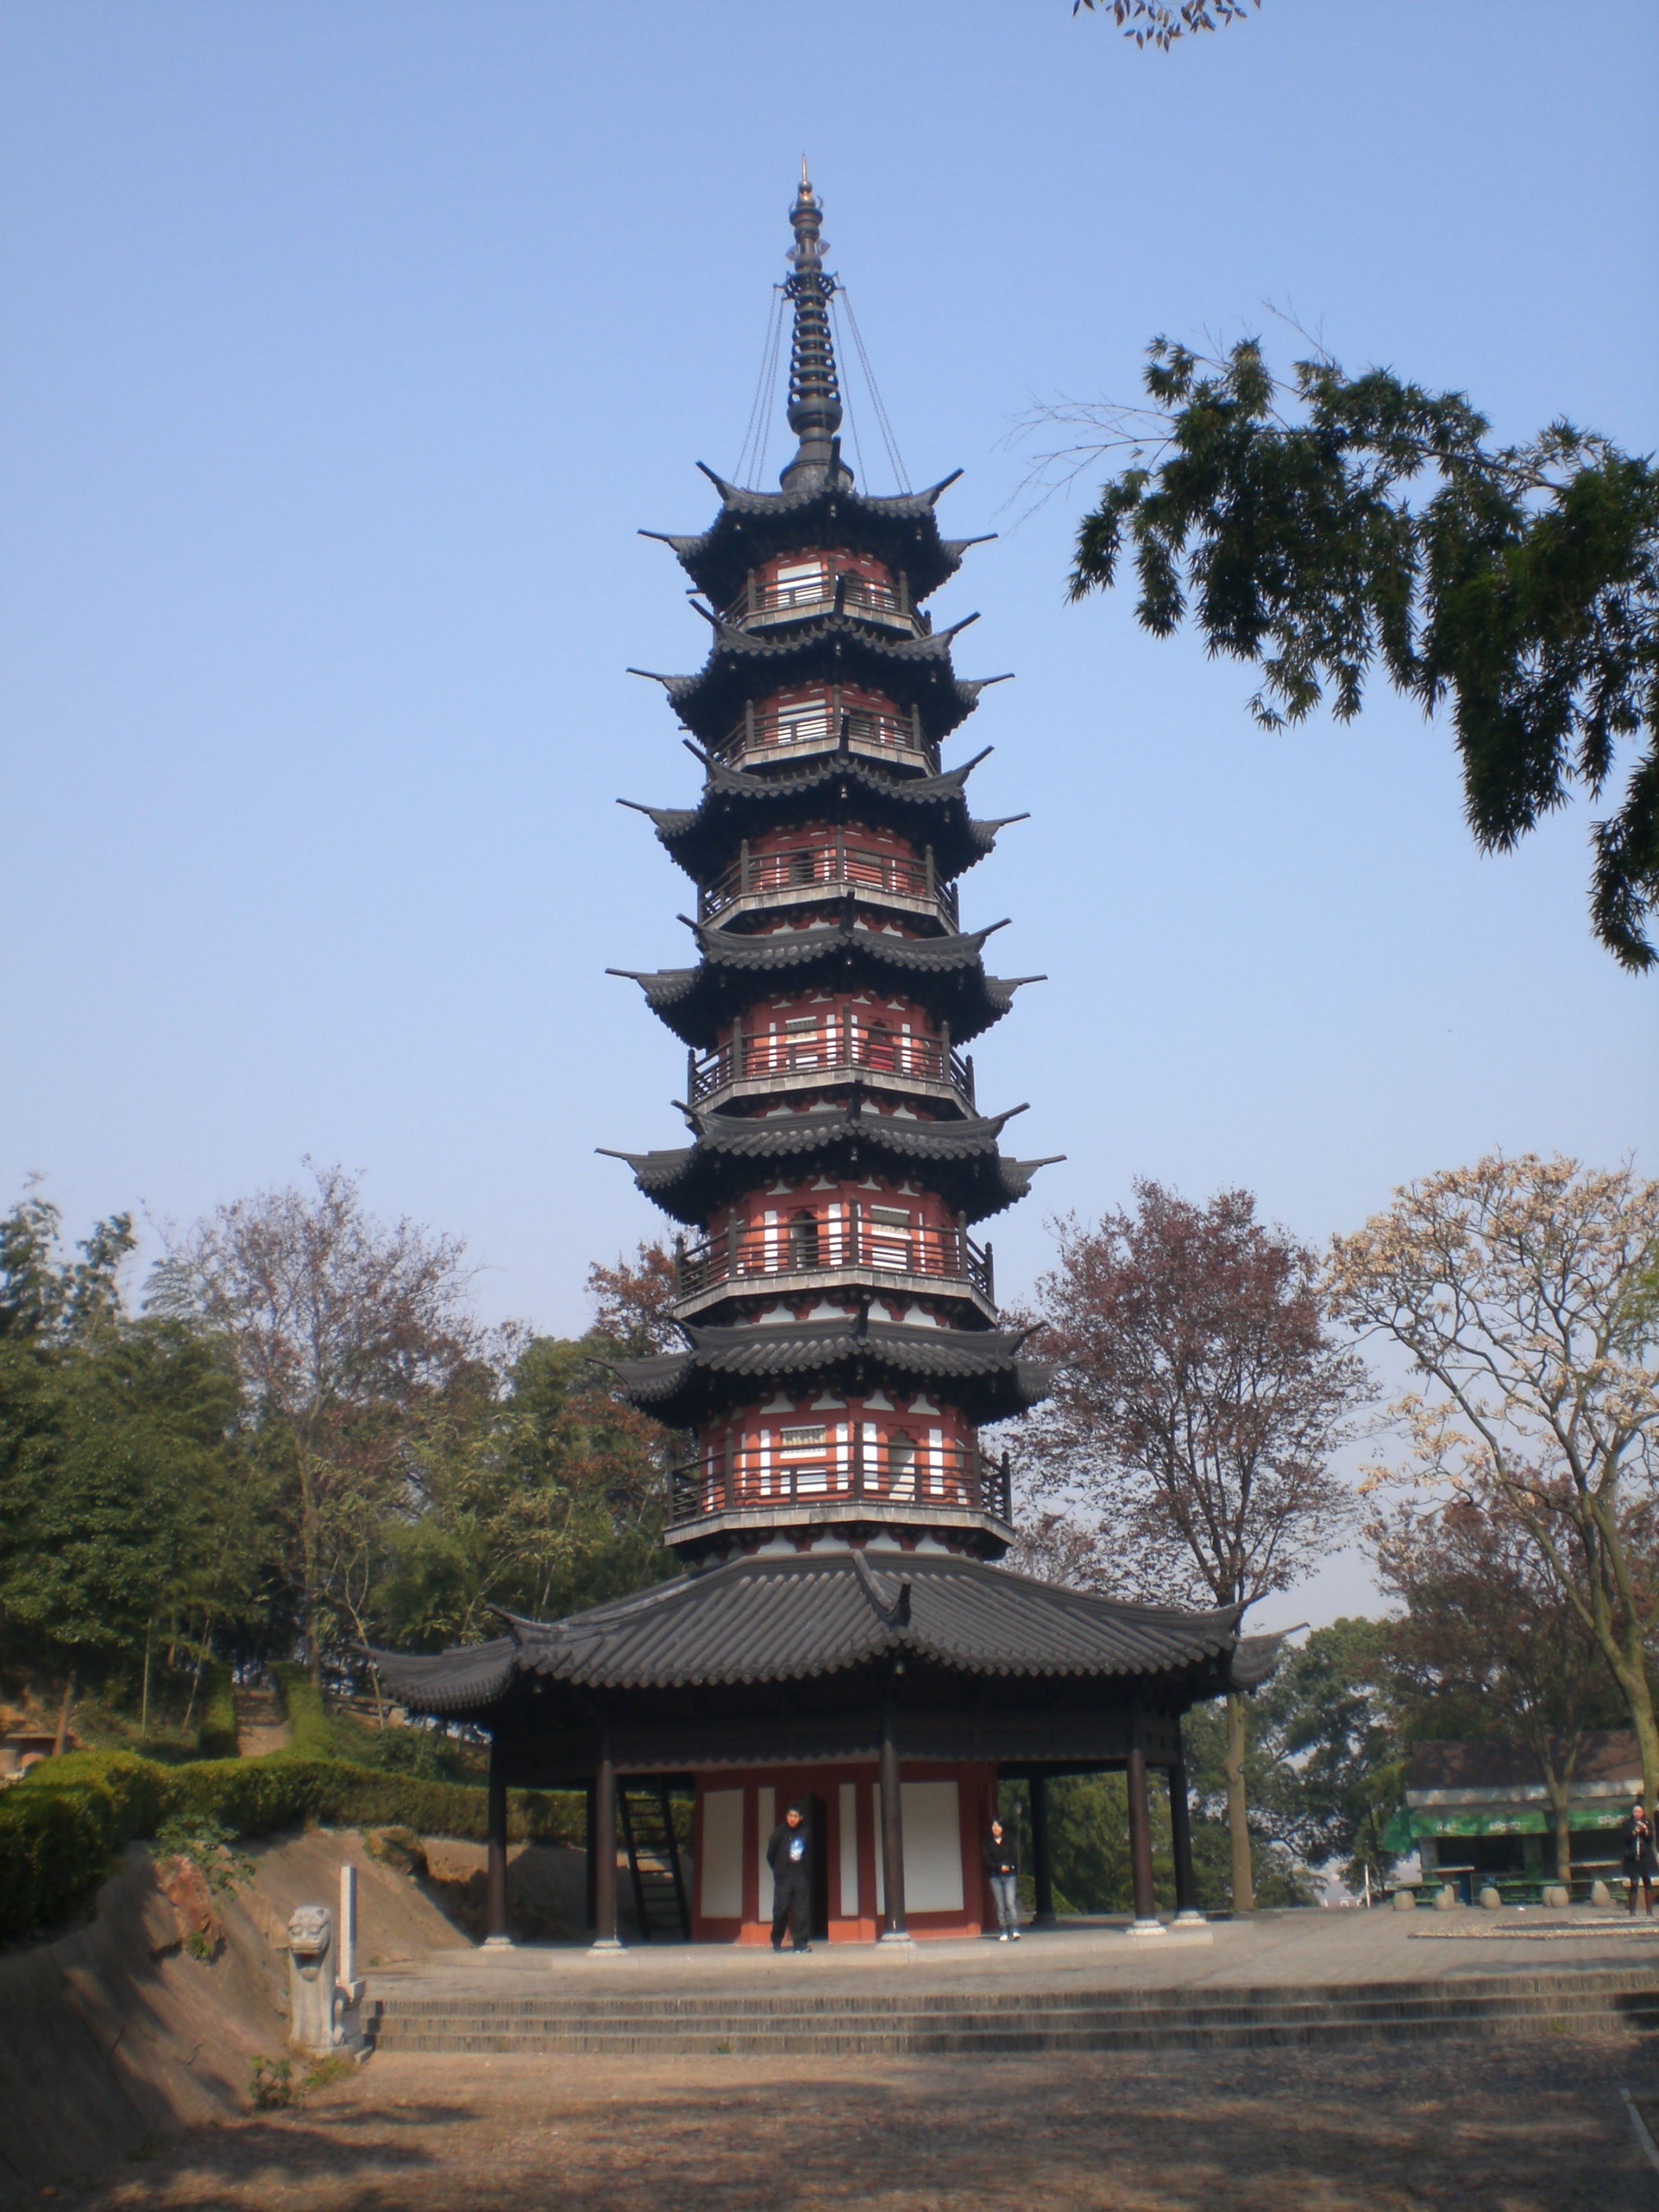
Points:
(843, 1350)
(841, 1634)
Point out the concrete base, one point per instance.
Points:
(606, 1946)
(1189, 1919)
(1142, 1929)
(498, 1943)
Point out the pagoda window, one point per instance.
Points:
(803, 1042)
(806, 1457)
(879, 1047)
(901, 1464)
(803, 1241)
(889, 1237)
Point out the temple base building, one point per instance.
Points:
(841, 1634)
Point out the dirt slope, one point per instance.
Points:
(112, 2037)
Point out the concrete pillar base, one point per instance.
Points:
(605, 1946)
(1141, 1929)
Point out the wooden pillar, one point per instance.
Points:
(1140, 1833)
(589, 1831)
(892, 1832)
(1181, 1835)
(604, 1856)
(1042, 1864)
(495, 1933)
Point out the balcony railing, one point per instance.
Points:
(843, 1470)
(836, 864)
(820, 728)
(825, 593)
(816, 1244)
(836, 1049)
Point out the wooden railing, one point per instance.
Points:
(829, 726)
(836, 862)
(897, 1472)
(820, 1244)
(837, 1049)
(821, 594)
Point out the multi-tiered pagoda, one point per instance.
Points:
(841, 1634)
(842, 1348)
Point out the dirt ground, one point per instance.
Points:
(1445, 2127)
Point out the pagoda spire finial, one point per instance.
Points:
(814, 392)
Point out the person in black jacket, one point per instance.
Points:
(1002, 1864)
(1640, 1861)
(789, 1855)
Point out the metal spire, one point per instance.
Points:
(814, 394)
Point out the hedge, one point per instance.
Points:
(310, 1735)
(215, 1732)
(64, 1823)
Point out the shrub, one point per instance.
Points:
(271, 2084)
(312, 1736)
(215, 1734)
(64, 1823)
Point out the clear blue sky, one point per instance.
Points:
(350, 347)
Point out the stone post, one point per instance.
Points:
(313, 2005)
(350, 1988)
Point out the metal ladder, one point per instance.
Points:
(653, 1861)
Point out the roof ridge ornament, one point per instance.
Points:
(814, 390)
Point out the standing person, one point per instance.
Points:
(1641, 1860)
(789, 1855)
(1002, 1864)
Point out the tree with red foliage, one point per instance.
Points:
(1490, 1644)
(1198, 1399)
(632, 1303)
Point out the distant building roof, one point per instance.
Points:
(1489, 1771)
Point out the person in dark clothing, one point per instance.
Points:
(1002, 1864)
(789, 1855)
(1641, 1859)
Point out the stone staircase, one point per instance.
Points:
(851, 2024)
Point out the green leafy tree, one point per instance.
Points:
(118, 1451)
(1323, 528)
(1328, 1768)
(552, 1501)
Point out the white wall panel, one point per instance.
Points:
(720, 1869)
(847, 1815)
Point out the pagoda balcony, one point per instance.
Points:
(799, 1254)
(760, 606)
(837, 865)
(810, 1054)
(789, 736)
(849, 1479)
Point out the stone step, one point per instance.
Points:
(1405, 2028)
(653, 2006)
(1292, 2017)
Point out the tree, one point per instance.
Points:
(118, 1451)
(1154, 23)
(1325, 1768)
(1197, 1400)
(552, 1502)
(1489, 1644)
(1517, 1287)
(346, 1332)
(1319, 528)
(633, 1303)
